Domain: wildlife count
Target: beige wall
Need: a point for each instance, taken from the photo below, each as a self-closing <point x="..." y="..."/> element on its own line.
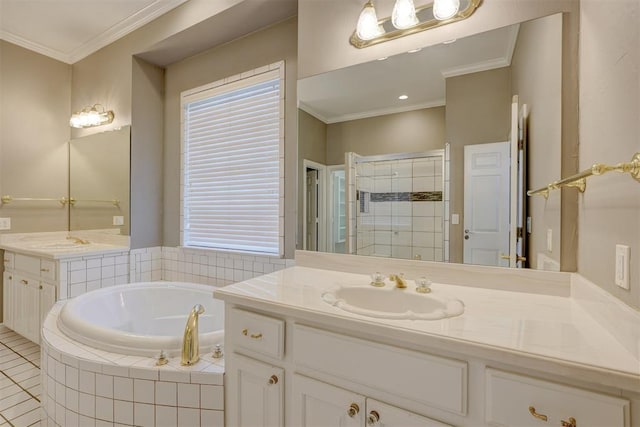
<point x="609" y="132"/>
<point x="478" y="112"/>
<point x="409" y="132"/>
<point x="256" y="50"/>
<point x="35" y="94"/>
<point x="147" y="137"/>
<point x="536" y="77"/>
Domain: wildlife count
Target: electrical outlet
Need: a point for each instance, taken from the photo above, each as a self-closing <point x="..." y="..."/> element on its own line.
<point x="5" y="223"/>
<point x="118" y="220"/>
<point x="622" y="266"/>
<point x="549" y="240"/>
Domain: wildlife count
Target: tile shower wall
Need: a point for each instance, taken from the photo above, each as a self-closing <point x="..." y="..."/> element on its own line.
<point x="400" y="208"/>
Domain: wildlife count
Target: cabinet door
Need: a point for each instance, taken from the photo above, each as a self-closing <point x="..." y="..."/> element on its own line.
<point x="47" y="300"/>
<point x="255" y="393"/>
<point x="319" y="404"/>
<point x="26" y="316"/>
<point x="8" y="299"/>
<point x="382" y="415"/>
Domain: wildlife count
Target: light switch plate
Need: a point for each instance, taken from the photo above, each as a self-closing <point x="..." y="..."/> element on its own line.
<point x="5" y="223"/>
<point x="622" y="266"/>
<point x="455" y="219"/>
<point x="118" y="220"/>
<point x="549" y="240"/>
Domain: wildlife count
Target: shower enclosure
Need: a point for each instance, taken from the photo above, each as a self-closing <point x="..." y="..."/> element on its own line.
<point x="397" y="205"/>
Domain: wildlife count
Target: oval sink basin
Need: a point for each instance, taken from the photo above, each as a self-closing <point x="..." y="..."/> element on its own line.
<point x="392" y="303"/>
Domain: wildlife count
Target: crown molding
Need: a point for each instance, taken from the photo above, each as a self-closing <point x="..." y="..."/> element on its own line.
<point x="124" y="27"/>
<point x="370" y="113"/>
<point x="490" y="64"/>
<point x="113" y="33"/>
<point x="35" y="47"/>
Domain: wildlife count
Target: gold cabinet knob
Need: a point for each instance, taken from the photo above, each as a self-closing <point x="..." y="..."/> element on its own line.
<point x="373" y="418"/>
<point x="570" y="423"/>
<point x="273" y="379"/>
<point x="353" y="410"/>
<point x="533" y="412"/>
<point x="24" y="282"/>
<point x="44" y="270"/>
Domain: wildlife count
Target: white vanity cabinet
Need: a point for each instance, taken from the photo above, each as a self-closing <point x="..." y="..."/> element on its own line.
<point x="256" y="397"/>
<point x="29" y="292"/>
<point x="317" y="404"/>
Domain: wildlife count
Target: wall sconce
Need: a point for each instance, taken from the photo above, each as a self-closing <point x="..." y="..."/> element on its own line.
<point x="407" y="19"/>
<point x="91" y="116"/>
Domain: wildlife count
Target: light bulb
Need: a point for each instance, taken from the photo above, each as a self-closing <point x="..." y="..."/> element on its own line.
<point x="368" y="27"/>
<point x="445" y="9"/>
<point x="404" y="14"/>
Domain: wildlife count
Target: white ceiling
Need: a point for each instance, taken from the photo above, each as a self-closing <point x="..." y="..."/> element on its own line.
<point x="69" y="30"/>
<point x="372" y="89"/>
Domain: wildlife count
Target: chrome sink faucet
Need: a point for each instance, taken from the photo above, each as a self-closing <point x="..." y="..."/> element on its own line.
<point x="401" y="283"/>
<point x="190" y="343"/>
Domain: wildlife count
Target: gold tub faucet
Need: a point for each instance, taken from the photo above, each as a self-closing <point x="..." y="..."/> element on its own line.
<point x="190" y="344"/>
<point x="401" y="283"/>
<point x="78" y="240"/>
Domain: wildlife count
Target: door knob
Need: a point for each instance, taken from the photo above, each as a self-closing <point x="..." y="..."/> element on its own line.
<point x="466" y="237"/>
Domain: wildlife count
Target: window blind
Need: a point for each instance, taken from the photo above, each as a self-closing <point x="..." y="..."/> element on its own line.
<point x="231" y="158"/>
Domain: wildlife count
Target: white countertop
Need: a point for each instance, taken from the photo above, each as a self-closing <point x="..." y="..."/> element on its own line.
<point x="541" y="328"/>
<point x="57" y="245"/>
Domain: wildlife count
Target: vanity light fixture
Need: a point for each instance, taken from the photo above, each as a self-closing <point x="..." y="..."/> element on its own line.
<point x="91" y="116"/>
<point x="408" y="19"/>
<point x="367" y="27"/>
<point x="404" y="14"/>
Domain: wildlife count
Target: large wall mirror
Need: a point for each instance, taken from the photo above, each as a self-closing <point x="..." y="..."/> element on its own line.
<point x="99" y="170"/>
<point x="427" y="155"/>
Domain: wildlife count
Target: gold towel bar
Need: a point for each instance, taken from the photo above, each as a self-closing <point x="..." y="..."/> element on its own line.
<point x="579" y="180"/>
<point x="114" y="202"/>
<point x="9" y="199"/>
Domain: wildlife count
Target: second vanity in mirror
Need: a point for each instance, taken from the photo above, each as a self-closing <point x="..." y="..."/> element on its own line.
<point x="427" y="155"/>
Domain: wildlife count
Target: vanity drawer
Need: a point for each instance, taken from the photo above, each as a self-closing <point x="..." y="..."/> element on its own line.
<point x="27" y="264"/>
<point x="8" y="260"/>
<point x="408" y="375"/>
<point x="256" y="333"/>
<point x="523" y="401"/>
<point x="48" y="269"/>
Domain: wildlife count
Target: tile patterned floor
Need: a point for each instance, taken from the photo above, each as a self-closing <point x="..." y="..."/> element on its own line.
<point x="19" y="380"/>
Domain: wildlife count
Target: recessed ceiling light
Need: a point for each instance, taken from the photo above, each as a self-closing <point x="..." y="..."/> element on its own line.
<point x="383" y="58"/>
<point x="414" y="50"/>
<point x="403" y="97"/>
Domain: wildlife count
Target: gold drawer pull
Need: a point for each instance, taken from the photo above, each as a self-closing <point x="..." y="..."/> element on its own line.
<point x="44" y="270"/>
<point x="533" y="412"/>
<point x="24" y="282"/>
<point x="273" y="379"/>
<point x="257" y="336"/>
<point x="40" y="287"/>
<point x="570" y="423"/>
<point x="353" y="410"/>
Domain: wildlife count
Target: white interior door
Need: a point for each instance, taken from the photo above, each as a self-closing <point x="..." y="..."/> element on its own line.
<point x="312" y="210"/>
<point x="314" y="207"/>
<point x="486" y="204"/>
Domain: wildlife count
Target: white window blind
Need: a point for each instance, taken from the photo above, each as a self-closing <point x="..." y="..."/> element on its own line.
<point x="231" y="181"/>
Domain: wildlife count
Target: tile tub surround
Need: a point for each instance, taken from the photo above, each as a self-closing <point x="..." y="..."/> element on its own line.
<point x="82" y="386"/>
<point x="547" y="332"/>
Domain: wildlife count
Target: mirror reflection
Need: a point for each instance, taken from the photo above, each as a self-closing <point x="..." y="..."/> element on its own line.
<point x="427" y="155"/>
<point x="99" y="181"/>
